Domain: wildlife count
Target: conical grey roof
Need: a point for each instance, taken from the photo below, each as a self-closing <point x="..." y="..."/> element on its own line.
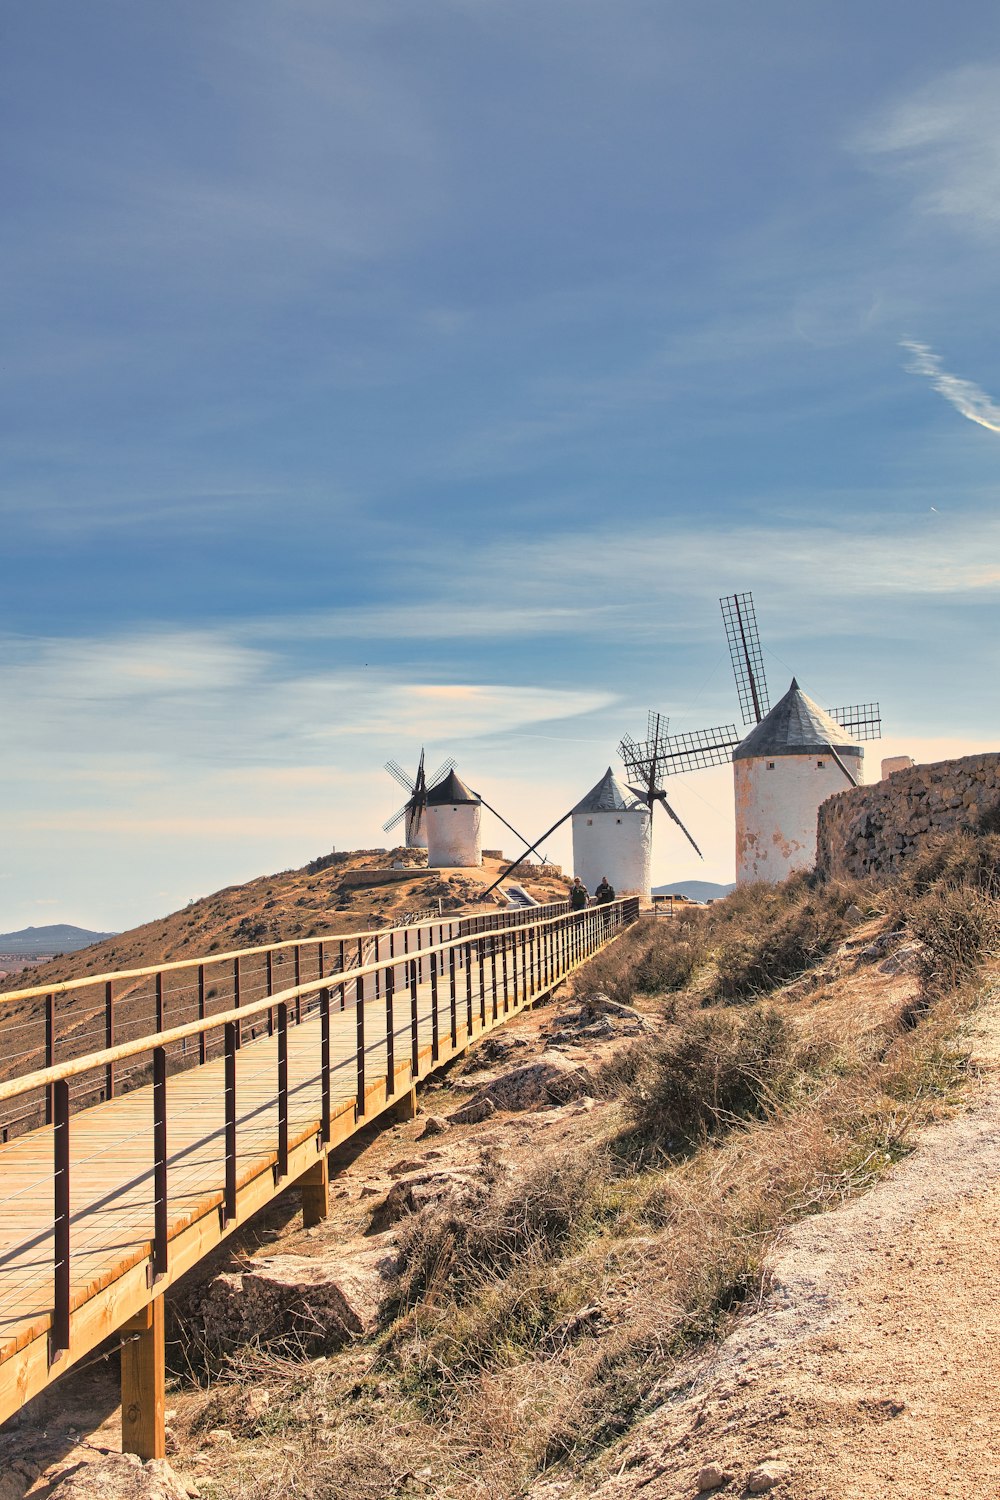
<point x="449" y="791"/>
<point x="795" y="726"/>
<point x="610" y="795"/>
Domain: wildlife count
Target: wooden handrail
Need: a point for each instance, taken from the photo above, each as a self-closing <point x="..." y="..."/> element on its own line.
<point x="73" y="1067"/>
<point x="62" y="987"/>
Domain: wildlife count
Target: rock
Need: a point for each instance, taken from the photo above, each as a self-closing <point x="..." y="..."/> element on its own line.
<point x="122" y="1476"/>
<point x="404" y="1167"/>
<point x="323" y="1301"/>
<point x="424" y="1190"/>
<point x="853" y="915"/>
<point x="433" y="1125"/>
<point x="550" y="1079"/>
<point x="765" y="1477"/>
<point x="603" y="1005"/>
<point x="477" y="1109"/>
<point x="905" y="960"/>
<point x="711" y="1476"/>
<point x="257" y="1403"/>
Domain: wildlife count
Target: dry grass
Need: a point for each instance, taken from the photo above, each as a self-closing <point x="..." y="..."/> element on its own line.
<point x="536" y="1329"/>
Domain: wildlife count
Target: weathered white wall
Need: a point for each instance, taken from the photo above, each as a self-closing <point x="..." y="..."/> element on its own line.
<point x="615" y="844"/>
<point x="454" y="835"/>
<point x="776" y="811"/>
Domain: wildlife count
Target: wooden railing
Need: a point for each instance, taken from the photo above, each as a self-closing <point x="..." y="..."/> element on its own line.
<point x="48" y="1024"/>
<point x="170" y="1171"/>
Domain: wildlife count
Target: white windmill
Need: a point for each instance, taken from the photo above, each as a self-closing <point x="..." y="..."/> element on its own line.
<point x="612" y="834"/>
<point x="796" y="756"/>
<point x="454" y="824"/>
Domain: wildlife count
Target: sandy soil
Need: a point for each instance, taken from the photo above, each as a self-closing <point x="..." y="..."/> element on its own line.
<point x="873" y="1367"/>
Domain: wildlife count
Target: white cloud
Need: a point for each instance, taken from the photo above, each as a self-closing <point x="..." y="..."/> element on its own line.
<point x="600" y="583"/>
<point x="969" y="399"/>
<point x="944" y="139"/>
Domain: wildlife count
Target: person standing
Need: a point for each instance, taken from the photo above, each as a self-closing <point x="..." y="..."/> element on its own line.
<point x="578" y="895"/>
<point x="605" y="892"/>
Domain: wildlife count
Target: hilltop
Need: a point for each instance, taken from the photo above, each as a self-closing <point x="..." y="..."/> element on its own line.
<point x="695" y="890"/>
<point x="58" y="937"/>
<point x="307" y="902"/>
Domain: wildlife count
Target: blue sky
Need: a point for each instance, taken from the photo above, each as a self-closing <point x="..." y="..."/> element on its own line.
<point x="378" y="375"/>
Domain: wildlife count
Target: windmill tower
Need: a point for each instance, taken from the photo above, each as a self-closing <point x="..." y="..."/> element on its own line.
<point x="612" y="836"/>
<point x="414" y="809"/>
<point x="454" y="824"/>
<point x="796" y="756"/>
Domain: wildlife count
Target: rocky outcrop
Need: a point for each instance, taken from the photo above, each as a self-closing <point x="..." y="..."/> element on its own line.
<point x="873" y="830"/>
<point x="316" y="1302"/>
<point x="550" y="1079"/>
<point x="417" y="1190"/>
<point x="122" y="1476"/>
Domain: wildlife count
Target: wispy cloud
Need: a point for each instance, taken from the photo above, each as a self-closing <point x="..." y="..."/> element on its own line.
<point x="944" y="138"/>
<point x="966" y="397"/>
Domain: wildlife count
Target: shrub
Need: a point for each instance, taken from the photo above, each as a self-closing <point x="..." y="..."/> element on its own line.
<point x="655" y="957"/>
<point x="532" y="1217"/>
<point x="959" y="927"/>
<point x="714" y="1071"/>
<point x="775" y="934"/>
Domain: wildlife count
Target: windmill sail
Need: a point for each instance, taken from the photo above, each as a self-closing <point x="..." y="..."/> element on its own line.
<point x="745" y="654"/>
<point x="415" y="807"/>
<point x="864" y="720"/>
<point x="670" y="754"/>
<point x="648" y="761"/>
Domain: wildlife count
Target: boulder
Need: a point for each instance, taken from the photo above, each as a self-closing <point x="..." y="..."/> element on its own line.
<point x="433" y="1125"/>
<point x="424" y="1190"/>
<point x="766" y="1476"/>
<point x="477" y="1109"/>
<point x="122" y="1476"/>
<point x="319" y="1301"/>
<point x="711" y="1477"/>
<point x="905" y="960"/>
<point x="550" y="1079"/>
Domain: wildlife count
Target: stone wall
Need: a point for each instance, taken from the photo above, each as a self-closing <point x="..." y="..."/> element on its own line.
<point x="872" y="830"/>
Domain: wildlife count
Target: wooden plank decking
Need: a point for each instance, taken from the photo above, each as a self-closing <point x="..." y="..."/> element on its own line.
<point x="111" y="1152"/>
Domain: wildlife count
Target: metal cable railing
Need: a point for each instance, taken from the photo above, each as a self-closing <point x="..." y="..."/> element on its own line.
<point x="70" y="1018"/>
<point x="395" y="1019"/>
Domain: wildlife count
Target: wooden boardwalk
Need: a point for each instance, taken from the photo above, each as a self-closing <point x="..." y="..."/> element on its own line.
<point x="290" y="1101"/>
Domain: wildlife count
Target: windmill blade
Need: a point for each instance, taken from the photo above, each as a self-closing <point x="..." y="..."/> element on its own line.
<point x="396" y="818"/>
<point x="663" y="798"/>
<point x="522" y="857"/>
<point x="398" y="774"/>
<point x="657" y="725"/>
<point x="441" y="771"/>
<point x="679" y="752"/>
<point x="861" y="719"/>
<point x="503" y="820"/>
<point x="745" y="654"/>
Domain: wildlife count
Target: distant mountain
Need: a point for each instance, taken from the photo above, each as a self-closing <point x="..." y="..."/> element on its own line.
<point x="695" y="890"/>
<point x="60" y="937"/>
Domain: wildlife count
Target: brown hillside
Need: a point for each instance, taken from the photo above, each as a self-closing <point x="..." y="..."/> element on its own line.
<point x="304" y="903"/>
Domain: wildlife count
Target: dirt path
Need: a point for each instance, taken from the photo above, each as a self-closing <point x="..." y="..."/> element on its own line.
<point x="873" y="1368"/>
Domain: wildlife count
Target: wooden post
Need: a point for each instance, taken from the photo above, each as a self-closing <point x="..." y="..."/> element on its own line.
<point x="143" y="1383"/>
<point x="405" y="1106"/>
<point x="315" y="1185"/>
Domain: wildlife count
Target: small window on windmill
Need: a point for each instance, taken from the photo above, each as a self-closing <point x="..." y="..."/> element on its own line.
<point x="590" y="822"/>
<point x="618" y="820"/>
<point x="770" y="765"/>
<point x="820" y="764"/>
